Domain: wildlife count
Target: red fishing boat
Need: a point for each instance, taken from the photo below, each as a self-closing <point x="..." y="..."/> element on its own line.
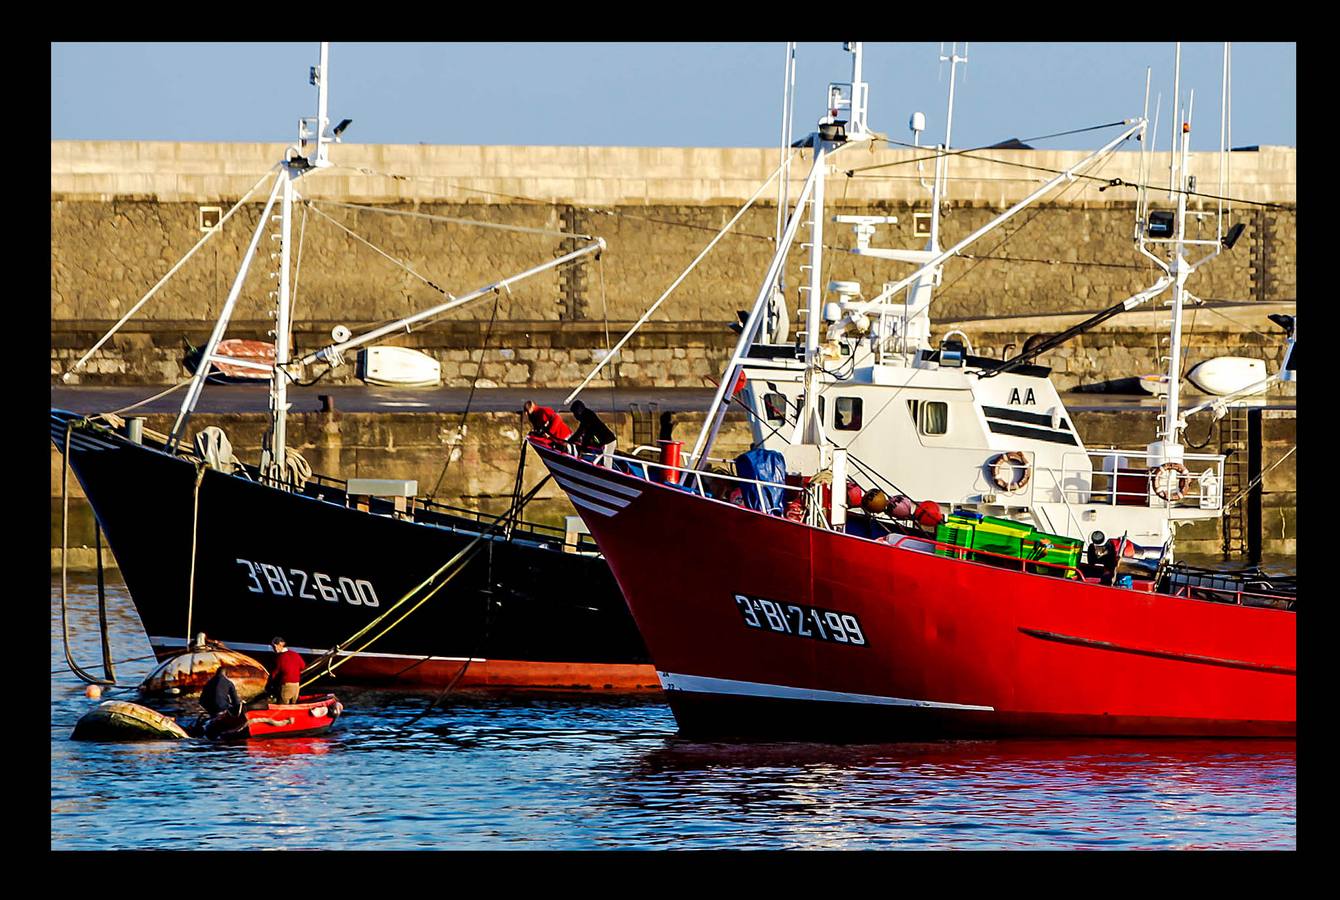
<point x="763" y="626"/>
<point x="792" y="597"/>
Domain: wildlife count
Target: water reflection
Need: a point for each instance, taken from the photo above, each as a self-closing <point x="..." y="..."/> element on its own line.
<point x="548" y="771"/>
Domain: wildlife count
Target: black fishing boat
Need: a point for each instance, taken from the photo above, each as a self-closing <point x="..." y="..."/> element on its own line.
<point x="522" y="610"/>
<point x="371" y="588"/>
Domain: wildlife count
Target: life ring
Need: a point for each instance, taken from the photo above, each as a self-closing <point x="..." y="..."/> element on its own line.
<point x="1005" y="461"/>
<point x="1160" y="485"/>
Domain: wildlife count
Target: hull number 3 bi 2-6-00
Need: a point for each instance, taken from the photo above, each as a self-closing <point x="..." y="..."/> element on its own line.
<point x="266" y="578"/>
<point x="799" y="620"/>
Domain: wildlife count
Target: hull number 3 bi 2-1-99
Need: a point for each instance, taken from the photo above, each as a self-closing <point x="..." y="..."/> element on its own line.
<point x="799" y="620"/>
<point x="266" y="578"/>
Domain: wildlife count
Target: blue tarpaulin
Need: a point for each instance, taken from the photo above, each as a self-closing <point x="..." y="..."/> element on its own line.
<point x="762" y="465"/>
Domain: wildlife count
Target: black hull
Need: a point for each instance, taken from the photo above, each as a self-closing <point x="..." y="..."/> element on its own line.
<point x="306" y="567"/>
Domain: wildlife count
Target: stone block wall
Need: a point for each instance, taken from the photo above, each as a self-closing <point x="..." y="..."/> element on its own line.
<point x="123" y="213"/>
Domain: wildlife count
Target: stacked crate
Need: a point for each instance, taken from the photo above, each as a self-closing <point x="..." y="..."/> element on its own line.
<point x="990" y="535"/>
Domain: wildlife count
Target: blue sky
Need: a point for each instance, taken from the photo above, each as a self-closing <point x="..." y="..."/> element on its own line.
<point x="648" y="94"/>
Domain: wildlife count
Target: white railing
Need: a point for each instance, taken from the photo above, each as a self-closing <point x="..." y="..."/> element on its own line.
<point x="1126" y="478"/>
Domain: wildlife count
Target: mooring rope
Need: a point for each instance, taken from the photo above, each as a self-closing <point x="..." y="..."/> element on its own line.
<point x="200" y="468"/>
<point x="64" y="569"/>
<point x="1258" y="479"/>
<point x="451" y="567"/>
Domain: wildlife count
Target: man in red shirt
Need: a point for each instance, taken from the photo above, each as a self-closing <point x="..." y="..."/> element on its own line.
<point x="545" y="422"/>
<point x="286" y="674"/>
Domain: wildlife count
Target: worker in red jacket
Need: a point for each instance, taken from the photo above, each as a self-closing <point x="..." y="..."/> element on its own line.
<point x="544" y="422"/>
<point x="286" y="674"/>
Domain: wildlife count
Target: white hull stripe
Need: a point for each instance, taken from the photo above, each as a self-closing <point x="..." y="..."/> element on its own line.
<point x="312" y="653"/>
<point x="589" y="492"/>
<point x="81" y="441"/>
<point x="594" y="507"/>
<point x="700" y="684"/>
<point x="570" y="472"/>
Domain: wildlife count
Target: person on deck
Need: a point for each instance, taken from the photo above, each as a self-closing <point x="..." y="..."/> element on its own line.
<point x="544" y="422"/>
<point x="219" y="695"/>
<point x="286" y="674"/>
<point x="592" y="435"/>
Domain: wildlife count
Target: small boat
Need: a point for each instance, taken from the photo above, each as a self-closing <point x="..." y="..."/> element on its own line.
<point x="119" y="720"/>
<point x="1225" y="375"/>
<point x="1154" y="384"/>
<point x="185" y="674"/>
<point x="398" y="367"/>
<point x="313" y="714"/>
<point x="258" y="355"/>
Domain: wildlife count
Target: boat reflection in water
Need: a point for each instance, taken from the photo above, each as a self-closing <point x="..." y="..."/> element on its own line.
<point x="1118" y="793"/>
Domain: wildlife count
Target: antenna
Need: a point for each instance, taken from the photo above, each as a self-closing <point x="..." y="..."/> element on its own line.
<point x="942" y="162"/>
<point x="1144" y="158"/>
<point x="788" y="88"/>
<point x="1176" y="117"/>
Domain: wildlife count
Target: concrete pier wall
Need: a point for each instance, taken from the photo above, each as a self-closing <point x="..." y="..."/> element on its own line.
<point x="124" y="212"/>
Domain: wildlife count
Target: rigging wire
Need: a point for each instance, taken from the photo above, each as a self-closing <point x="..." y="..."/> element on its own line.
<point x="605" y="310"/>
<point x="474" y="383"/>
<point x="595" y="210"/>
<point x="1031" y="216"/>
<point x="520" y="229"/>
<point x="1108" y="182"/>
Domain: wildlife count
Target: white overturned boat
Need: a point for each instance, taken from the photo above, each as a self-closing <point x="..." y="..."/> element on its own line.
<point x="398" y="367"/>
<point x="1225" y="375"/>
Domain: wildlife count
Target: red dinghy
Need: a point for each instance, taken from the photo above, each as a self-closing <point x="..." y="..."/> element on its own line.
<point x="313" y="714"/>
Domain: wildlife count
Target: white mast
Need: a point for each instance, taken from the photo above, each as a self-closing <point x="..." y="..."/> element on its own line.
<point x="942" y="161"/>
<point x="294" y="167"/>
<point x="1168" y="449"/>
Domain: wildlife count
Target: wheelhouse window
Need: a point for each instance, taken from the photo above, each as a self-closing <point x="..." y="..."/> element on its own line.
<point x="934" y="417"/>
<point x="847" y="414"/>
<point x="774" y="408"/>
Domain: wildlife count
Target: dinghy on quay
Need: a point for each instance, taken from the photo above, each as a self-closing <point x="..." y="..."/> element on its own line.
<point x="244" y="549"/>
<point x="802" y="609"/>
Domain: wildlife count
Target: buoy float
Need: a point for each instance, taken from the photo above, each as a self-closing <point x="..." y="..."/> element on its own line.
<point x="93" y="692"/>
<point x="117" y="720"/>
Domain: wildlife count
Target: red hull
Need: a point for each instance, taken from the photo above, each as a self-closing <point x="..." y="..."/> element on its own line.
<point x="947" y="647"/>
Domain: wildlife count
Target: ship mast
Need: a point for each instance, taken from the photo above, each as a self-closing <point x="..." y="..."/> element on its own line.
<point x="1161" y="229"/>
<point x="311" y="153"/>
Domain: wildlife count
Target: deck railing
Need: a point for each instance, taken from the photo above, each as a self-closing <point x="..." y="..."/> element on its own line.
<point x="1125" y="478"/>
<point x="971" y="554"/>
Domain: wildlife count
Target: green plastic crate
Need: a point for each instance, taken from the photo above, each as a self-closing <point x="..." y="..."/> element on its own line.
<point x="998" y="536"/>
<point x="1062" y="551"/>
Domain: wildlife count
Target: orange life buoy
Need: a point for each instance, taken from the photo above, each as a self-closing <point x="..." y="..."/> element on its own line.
<point x="1164" y="486"/>
<point x="1006" y="461"/>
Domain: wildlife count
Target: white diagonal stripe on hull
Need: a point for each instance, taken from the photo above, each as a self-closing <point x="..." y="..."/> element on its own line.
<point x="580" y="475"/>
<point x="80" y="442"/>
<point x="702" y="684"/>
<point x="594" y="507"/>
<point x="586" y="491"/>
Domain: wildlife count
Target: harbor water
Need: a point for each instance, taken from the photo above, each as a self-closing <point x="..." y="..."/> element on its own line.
<point x="572" y="772"/>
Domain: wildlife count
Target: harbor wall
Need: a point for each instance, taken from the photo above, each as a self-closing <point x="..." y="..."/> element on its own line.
<point x="484" y="462"/>
<point x="124" y="212"/>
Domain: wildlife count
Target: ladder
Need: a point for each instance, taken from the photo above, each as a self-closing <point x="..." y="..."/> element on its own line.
<point x="1233" y="443"/>
<point x="644" y="423"/>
